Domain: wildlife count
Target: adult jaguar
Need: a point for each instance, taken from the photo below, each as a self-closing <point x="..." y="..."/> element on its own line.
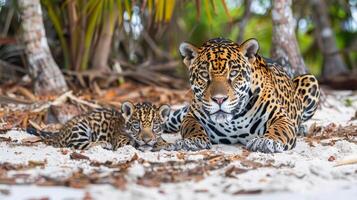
<point x="241" y="98"/>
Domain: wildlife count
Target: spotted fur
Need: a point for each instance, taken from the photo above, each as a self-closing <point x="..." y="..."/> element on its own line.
<point x="139" y="125"/>
<point x="239" y="97"/>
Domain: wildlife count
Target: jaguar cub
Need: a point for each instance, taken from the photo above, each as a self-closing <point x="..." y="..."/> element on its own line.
<point x="138" y="125"/>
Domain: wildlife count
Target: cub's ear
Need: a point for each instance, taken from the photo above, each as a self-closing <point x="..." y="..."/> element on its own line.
<point x="164" y="111"/>
<point x="189" y="53"/>
<point x="250" y="48"/>
<point x="127" y="109"/>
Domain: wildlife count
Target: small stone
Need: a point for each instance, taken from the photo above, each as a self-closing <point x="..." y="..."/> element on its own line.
<point x="331" y="158"/>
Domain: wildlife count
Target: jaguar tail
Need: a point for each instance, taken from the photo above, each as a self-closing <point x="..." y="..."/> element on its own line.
<point x="45" y="135"/>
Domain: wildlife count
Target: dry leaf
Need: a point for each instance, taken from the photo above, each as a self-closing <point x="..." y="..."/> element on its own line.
<point x="201" y="190"/>
<point x="87" y="196"/>
<point x="64" y="151"/>
<point x="5" y="139"/>
<point x="31" y="140"/>
<point x="181" y="155"/>
<point x="148" y="182"/>
<point x="232" y="170"/>
<point x="78" y="156"/>
<point x="37" y="163"/>
<point x="4" y="192"/>
<point x="251" y="164"/>
<point x="242" y="192"/>
<point x="120" y="182"/>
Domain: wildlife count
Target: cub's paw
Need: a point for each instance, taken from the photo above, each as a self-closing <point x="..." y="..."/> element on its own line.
<point x="107" y="146"/>
<point x="265" y="145"/>
<point x="192" y="144"/>
<point x="164" y="146"/>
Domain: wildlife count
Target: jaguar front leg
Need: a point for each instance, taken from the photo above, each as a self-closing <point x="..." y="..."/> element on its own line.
<point x="119" y="141"/>
<point x="194" y="137"/>
<point x="280" y="136"/>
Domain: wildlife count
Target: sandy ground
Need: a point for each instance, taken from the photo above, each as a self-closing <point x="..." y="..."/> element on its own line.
<point x="310" y="171"/>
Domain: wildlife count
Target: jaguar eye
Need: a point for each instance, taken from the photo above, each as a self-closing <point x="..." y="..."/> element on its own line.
<point x="233" y="73"/>
<point x="204" y="74"/>
<point x="156" y="126"/>
<point x="136" y="125"/>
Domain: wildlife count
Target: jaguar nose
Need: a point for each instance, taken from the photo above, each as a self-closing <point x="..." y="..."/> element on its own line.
<point x="147" y="136"/>
<point x="147" y="139"/>
<point x="219" y="99"/>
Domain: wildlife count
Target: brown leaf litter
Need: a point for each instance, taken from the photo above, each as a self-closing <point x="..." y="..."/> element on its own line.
<point x="328" y="135"/>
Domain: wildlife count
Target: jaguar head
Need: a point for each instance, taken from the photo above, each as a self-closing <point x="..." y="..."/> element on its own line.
<point x="144" y="122"/>
<point x="220" y="75"/>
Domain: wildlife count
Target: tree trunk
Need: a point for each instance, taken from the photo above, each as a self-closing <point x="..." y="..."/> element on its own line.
<point x="332" y="61"/>
<point x="101" y="53"/>
<point x="47" y="76"/>
<point x="244" y="20"/>
<point x="73" y="23"/>
<point x="284" y="43"/>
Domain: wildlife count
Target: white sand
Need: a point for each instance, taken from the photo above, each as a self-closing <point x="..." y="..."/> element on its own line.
<point x="302" y="173"/>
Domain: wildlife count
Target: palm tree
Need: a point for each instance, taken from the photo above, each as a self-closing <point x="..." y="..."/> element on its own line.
<point x="47" y="75"/>
<point x="333" y="63"/>
<point x="284" y="41"/>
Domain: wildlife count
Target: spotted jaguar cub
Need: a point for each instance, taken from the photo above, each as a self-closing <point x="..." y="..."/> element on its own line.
<point x="240" y="97"/>
<point x="138" y="125"/>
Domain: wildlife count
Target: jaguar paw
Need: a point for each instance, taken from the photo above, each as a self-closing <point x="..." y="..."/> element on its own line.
<point x="165" y="146"/>
<point x="192" y="144"/>
<point x="265" y="145"/>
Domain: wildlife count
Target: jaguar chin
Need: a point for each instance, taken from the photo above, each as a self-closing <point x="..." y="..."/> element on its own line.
<point x="221" y="116"/>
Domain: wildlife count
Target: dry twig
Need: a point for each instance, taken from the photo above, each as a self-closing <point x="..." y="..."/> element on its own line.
<point x="346" y="162"/>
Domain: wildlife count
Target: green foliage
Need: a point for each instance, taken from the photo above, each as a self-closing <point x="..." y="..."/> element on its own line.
<point x="84" y="20"/>
<point x="261" y="29"/>
<point x="348" y="102"/>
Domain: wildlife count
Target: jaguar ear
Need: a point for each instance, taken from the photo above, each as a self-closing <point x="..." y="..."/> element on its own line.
<point x="164" y="111"/>
<point x="250" y="48"/>
<point x="188" y="52"/>
<point x="127" y="109"/>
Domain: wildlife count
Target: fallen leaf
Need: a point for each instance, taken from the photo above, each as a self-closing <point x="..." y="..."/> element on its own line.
<point x="31" y="140"/>
<point x="37" y="163"/>
<point x="78" y="156"/>
<point x="251" y="164"/>
<point x="181" y="155"/>
<point x="148" y="182"/>
<point x="87" y="196"/>
<point x="78" y="180"/>
<point x="64" y="151"/>
<point x="120" y="182"/>
<point x="5" y="139"/>
<point x="232" y="170"/>
<point x="201" y="190"/>
<point x="23" y="176"/>
<point x="314" y="129"/>
<point x="4" y="192"/>
<point x="7" y="181"/>
<point x="242" y="192"/>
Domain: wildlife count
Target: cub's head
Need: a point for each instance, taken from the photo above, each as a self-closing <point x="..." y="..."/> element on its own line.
<point x="144" y="122"/>
<point x="220" y="75"/>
